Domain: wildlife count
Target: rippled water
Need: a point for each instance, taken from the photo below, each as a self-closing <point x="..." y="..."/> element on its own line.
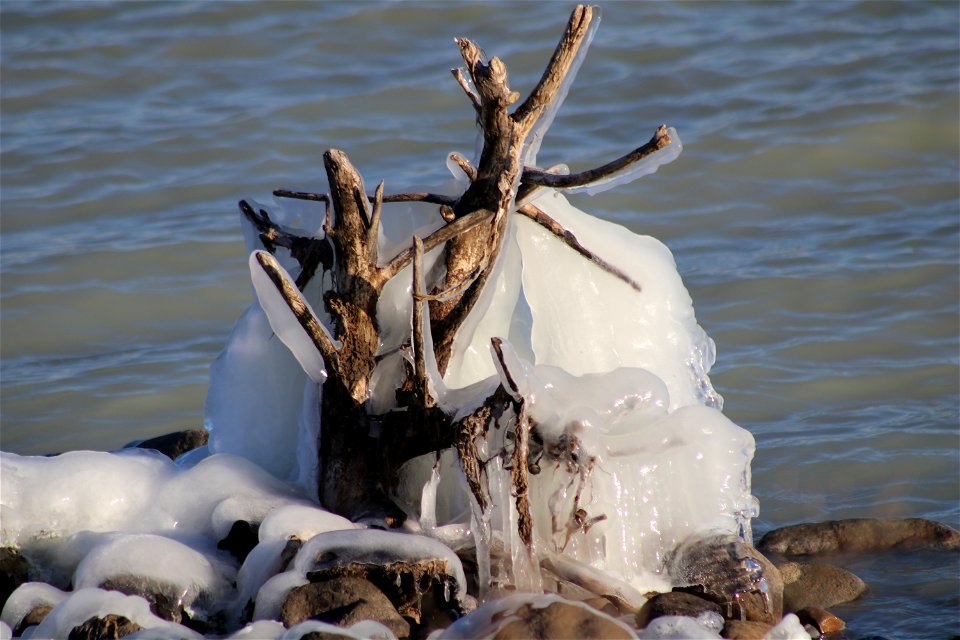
<point x="813" y="214"/>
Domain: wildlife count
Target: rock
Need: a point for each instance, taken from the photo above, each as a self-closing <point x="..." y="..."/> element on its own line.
<point x="164" y="599"/>
<point x="675" y="603"/>
<point x="173" y="445"/>
<point x="603" y="605"/>
<point x="732" y="573"/>
<point x="821" y="619"/>
<point x="34" y="617"/>
<point x="14" y="571"/>
<point x="818" y="585"/>
<point x="861" y="534"/>
<point x="404" y="583"/>
<point x="240" y="540"/>
<point x="404" y="567"/>
<point x="109" y="627"/>
<point x="560" y="620"/>
<point x="342" y="601"/>
<point x="745" y="630"/>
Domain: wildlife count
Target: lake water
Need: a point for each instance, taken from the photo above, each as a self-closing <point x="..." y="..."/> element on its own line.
<point x="813" y="214"/>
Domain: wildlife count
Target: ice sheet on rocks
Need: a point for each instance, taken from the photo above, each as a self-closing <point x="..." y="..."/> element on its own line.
<point x="264" y="560"/>
<point x="58" y="509"/>
<point x="368" y="546"/>
<point x="374" y="546"/>
<point x="198" y="582"/>
<point x="87" y="603"/>
<point x="28" y="596"/>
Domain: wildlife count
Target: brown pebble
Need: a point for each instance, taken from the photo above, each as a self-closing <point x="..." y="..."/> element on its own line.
<point x="174" y="445"/>
<point x="342" y="601"/>
<point x="821" y="619"/>
<point x="14" y="571"/>
<point x="560" y="620"/>
<point x="34" y="617"/>
<point x="818" y="585"/>
<point x="109" y="627"/>
<point x="674" y="603"/>
<point x="745" y="630"/>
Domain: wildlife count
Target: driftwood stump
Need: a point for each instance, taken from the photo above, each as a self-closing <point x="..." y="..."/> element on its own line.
<point x="359" y="453"/>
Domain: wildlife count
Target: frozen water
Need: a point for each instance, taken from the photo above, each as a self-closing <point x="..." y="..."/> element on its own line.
<point x="87" y="603"/>
<point x="677" y="628"/>
<point x="199" y="582"/>
<point x="28" y="596"/>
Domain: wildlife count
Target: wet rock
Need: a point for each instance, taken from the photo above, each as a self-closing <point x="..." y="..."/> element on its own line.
<point x="860" y="534"/>
<point x="164" y="599"/>
<point x="173" y="445"/>
<point x="675" y="603"/>
<point x="404" y="583"/>
<point x="821" y="620"/>
<point x="603" y="605"/>
<point x="14" y="571"/>
<point x="745" y="630"/>
<point x="818" y="585"/>
<point x="109" y="627"/>
<point x="342" y="601"/>
<point x="34" y="617"/>
<point x="560" y="620"/>
<point x="732" y="573"/>
<point x="240" y="540"/>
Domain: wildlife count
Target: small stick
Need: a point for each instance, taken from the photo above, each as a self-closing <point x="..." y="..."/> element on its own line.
<point x="416" y="196"/>
<point x="419" y="358"/>
<point x="465" y="165"/>
<point x="441" y="235"/>
<point x="373" y="233"/>
<point x="467" y="89"/>
<point x="564" y="235"/>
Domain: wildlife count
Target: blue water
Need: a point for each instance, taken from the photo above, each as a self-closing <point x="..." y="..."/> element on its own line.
<point x="813" y="214"/>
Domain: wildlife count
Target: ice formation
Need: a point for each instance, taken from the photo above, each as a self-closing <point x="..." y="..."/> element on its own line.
<point x="631" y="454"/>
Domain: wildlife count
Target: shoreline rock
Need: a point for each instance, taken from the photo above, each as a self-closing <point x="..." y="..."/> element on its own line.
<point x="858" y="535"/>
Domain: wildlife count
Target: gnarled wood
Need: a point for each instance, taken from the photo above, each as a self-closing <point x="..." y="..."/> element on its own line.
<point x="359" y="453"/>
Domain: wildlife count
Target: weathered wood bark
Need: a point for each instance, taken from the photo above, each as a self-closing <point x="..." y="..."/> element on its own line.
<point x="359" y="453"/>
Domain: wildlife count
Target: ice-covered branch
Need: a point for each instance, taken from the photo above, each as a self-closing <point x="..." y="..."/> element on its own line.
<point x="630" y="166"/>
<point x="263" y="262"/>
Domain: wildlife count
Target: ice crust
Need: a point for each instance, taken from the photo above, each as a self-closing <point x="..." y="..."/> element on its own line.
<point x="87" y="603"/>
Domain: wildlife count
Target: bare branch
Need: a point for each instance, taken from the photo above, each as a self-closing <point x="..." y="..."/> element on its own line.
<point x="441" y="235"/>
<point x="419" y="358"/>
<point x="464" y="165"/>
<point x="416" y="196"/>
<point x="559" y="66"/>
<point x="373" y="233"/>
<point x="540" y="178"/>
<point x="519" y="478"/>
<point x="568" y="238"/>
<point x="467" y="89"/>
<point x="301" y="195"/>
